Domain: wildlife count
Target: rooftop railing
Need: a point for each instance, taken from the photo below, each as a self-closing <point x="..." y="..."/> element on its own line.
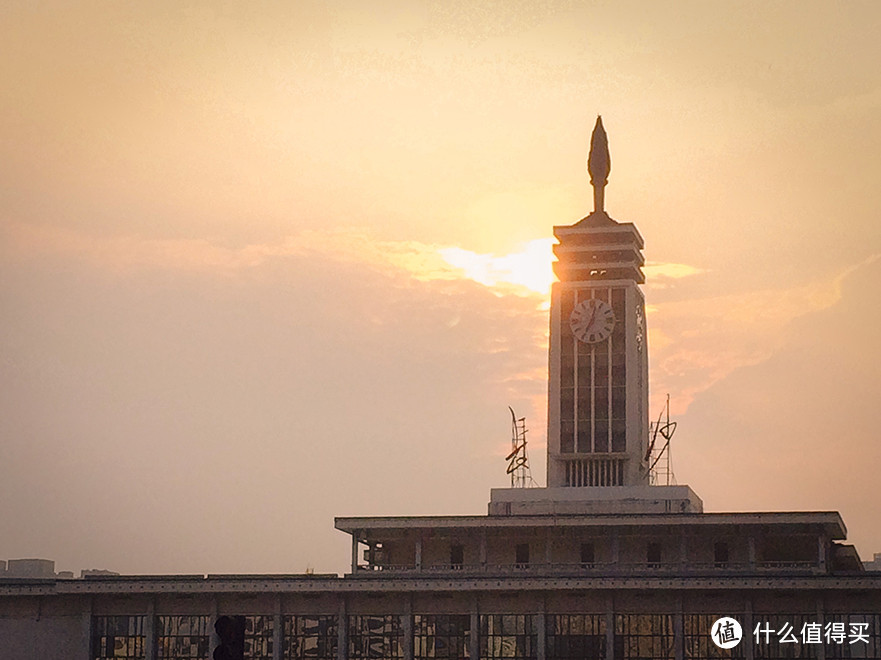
<point x="599" y="568"/>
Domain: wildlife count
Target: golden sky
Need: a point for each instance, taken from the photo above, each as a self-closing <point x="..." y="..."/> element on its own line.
<point x="264" y="264"/>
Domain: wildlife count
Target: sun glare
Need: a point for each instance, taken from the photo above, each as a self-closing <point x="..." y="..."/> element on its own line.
<point x="529" y="268"/>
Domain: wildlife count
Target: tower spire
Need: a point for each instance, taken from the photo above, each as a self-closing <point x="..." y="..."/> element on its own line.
<point x="599" y="164"/>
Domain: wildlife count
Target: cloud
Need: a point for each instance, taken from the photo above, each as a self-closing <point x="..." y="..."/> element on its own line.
<point x="696" y="342"/>
<point x="657" y="273"/>
<point x="186" y="379"/>
<point x="798" y="429"/>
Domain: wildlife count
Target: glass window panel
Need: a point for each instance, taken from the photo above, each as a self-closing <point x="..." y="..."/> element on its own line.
<point x="441" y="636"/>
<point x="644" y="637"/>
<point x="183" y="637"/>
<point x="507" y="636"/>
<point x="375" y="637"/>
<point x="576" y="636"/>
<point x="699" y="645"/>
<point x="118" y="637"/>
<point x="776" y="650"/>
<point x="310" y="636"/>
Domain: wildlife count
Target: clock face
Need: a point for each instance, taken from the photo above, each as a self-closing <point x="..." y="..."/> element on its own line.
<point x="592" y="320"/>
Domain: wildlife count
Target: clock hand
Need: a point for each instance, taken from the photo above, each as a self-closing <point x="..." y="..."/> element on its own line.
<point x="593" y="314"/>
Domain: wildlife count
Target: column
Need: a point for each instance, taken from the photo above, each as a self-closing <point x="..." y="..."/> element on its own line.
<point x="342" y="630"/>
<point x="752" y="551"/>
<point x="615" y="549"/>
<point x="86" y="631"/>
<point x="821" y="619"/>
<point x="683" y="551"/>
<point x="610" y="628"/>
<point x="748" y="626"/>
<point x="541" y="635"/>
<point x="678" y="631"/>
<point x="821" y="553"/>
<point x="419" y="552"/>
<point x="354" y="552"/>
<point x="407" y="627"/>
<point x="213" y="613"/>
<point x="150" y="631"/>
<point x="474" y="636"/>
<point x="482" y="549"/>
<point x="278" y="631"/>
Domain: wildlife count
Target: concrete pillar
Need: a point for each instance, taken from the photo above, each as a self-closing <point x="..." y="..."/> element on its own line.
<point x="821" y="553"/>
<point x="150" y="631"/>
<point x="213" y="639"/>
<point x="821" y="619"/>
<point x="419" y="552"/>
<point x="748" y="626"/>
<point x="752" y="551"/>
<point x="678" y="631"/>
<point x="407" y="627"/>
<point x="549" y="547"/>
<point x="342" y="631"/>
<point x="482" y="549"/>
<point x="354" y="552"/>
<point x="85" y="652"/>
<point x="683" y="551"/>
<point x="615" y="549"/>
<point x="474" y="633"/>
<point x="277" y="631"/>
<point x="541" y="635"/>
<point x="610" y="629"/>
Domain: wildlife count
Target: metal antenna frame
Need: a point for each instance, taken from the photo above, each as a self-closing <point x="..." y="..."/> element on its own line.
<point x="665" y="429"/>
<point x="518" y="460"/>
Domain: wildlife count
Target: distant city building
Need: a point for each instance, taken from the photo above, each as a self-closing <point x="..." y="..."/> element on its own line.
<point x="30" y="568"/>
<point x="96" y="572"/>
<point x="604" y="563"/>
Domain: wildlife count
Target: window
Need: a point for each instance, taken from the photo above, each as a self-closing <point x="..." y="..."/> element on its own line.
<point x="259" y="631"/>
<point x="118" y="637"/>
<point x="508" y="636"/>
<point x="310" y="637"/>
<point x="521" y="555"/>
<point x="576" y="636"/>
<point x="183" y="637"/>
<point x="867" y="624"/>
<point x="775" y="649"/>
<point x="457" y="556"/>
<point x="720" y="554"/>
<point x="587" y="555"/>
<point x="698" y="643"/>
<point x="376" y="637"/>
<point x="644" y="637"/>
<point x="653" y="555"/>
<point x="441" y="636"/>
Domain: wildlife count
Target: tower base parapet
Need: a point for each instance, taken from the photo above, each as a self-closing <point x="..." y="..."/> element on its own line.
<point x="594" y="500"/>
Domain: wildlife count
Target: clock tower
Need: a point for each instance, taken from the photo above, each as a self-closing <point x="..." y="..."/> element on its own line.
<point x="598" y="417"/>
<point x="598" y="365"/>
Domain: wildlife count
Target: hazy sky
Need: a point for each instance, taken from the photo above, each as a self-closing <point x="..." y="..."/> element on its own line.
<point x="266" y="263"/>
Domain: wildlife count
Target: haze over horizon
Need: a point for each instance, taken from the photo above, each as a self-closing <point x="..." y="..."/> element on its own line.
<point x="265" y="265"/>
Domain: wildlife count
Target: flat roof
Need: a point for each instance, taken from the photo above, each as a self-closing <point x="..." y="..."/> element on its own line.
<point x="830" y="521"/>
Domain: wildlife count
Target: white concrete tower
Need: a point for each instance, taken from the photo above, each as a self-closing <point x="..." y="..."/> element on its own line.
<point x="598" y="366"/>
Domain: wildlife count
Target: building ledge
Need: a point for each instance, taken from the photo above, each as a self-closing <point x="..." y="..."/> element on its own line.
<point x="594" y="500"/>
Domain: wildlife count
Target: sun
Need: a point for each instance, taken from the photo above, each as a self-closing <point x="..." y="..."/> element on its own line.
<point x="528" y="268"/>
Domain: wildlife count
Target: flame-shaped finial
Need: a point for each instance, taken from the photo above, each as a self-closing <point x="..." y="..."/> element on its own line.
<point x="599" y="164"/>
